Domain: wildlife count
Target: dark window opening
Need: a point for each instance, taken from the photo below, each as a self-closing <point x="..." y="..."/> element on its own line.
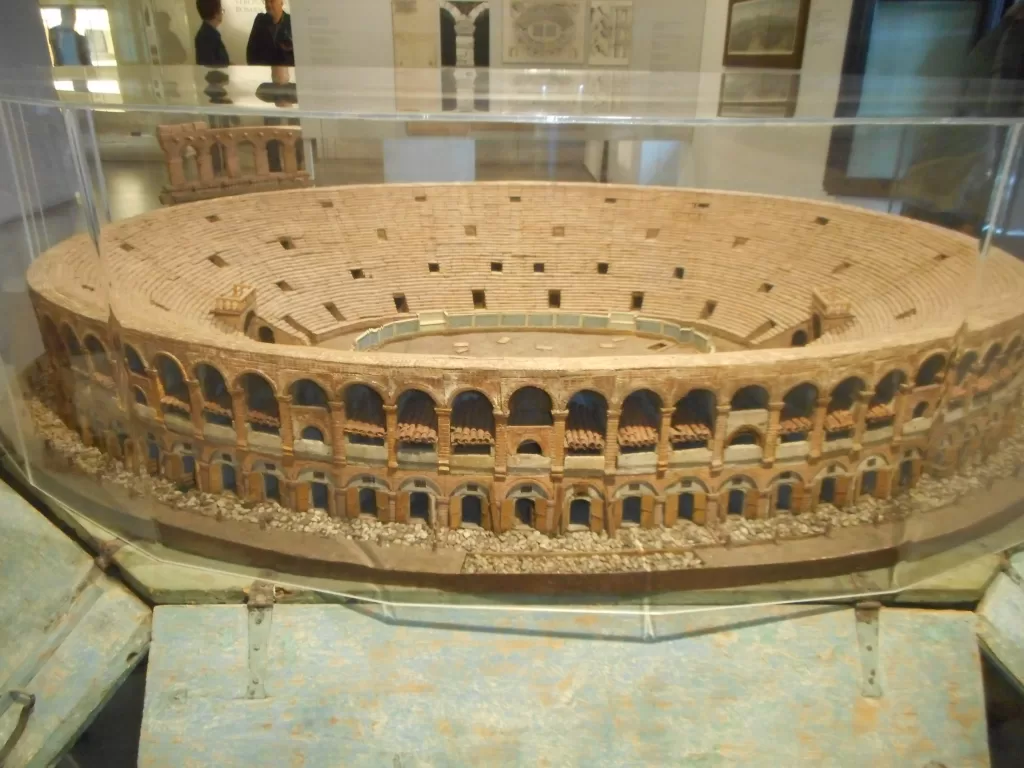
<point x="686" y="506"/>
<point x="213" y="218"/>
<point x="266" y="335"/>
<point x="357" y="274"/>
<point x="738" y="241"/>
<point x="479" y="300"/>
<point x="558" y="231"/>
<point x="271" y="487"/>
<point x="737" y="501"/>
<point x="827" y="494"/>
<point x="472" y="511"/>
<point x="419" y="506"/>
<point x="821" y="220"/>
<point x="529" y="448"/>
<point x="515" y="199"/>
<point x="326" y="204"/>
<point x="524" y="510"/>
<point x="799" y="339"/>
<point x="497" y="266"/>
<point x="652" y="234"/>
<point x="784" y="500"/>
<point x="400" y="303"/>
<point x="332" y="308"/>
<point x="312" y="433"/>
<point x="228" y="479"/>
<point x="602" y="268"/>
<point x="766" y="287"/>
<point x="702" y="205"/>
<point x="420" y="198"/>
<point x="868" y="482"/>
<point x="433" y="266"/>
<point x="637" y="301"/>
<point x="678" y="273"/>
<point x="632" y="509"/>
<point x="283" y="285"/>
<point x="921" y="409"/>
<point x="367" y="501"/>
<point x="470" y="230"/>
<point x="906" y="474"/>
<point x="538" y="266"/>
<point x="382" y="234"/>
<point x="319" y="495"/>
<point x="579" y="512"/>
<point x="217" y="261"/>
<point x="475" y="449"/>
<point x="709" y="309"/>
<point x="287" y="243"/>
<point x="554" y="299"/>
<point x="611" y="200"/>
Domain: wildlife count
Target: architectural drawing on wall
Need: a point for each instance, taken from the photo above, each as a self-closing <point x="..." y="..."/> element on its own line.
<point x="544" y="32"/>
<point x="766" y="33"/>
<point x="611" y="32"/>
<point x="465" y="33"/>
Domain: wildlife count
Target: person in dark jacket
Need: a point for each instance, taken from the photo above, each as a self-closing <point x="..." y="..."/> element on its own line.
<point x="210" y="50"/>
<point x="69" y="47"/>
<point x="270" y="41"/>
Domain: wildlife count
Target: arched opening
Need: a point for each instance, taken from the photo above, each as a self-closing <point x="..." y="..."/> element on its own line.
<point x="687" y="505"/>
<point x="188" y="469"/>
<point x="529" y="448"/>
<point x="784" y="498"/>
<point x="920" y="410"/>
<point x="868" y="482"/>
<point x="72" y="347"/>
<point x="989" y="364"/>
<point x="693" y="421"/>
<point x="265" y="334"/>
<point x="419" y="505"/>
<point x="797" y="413"/>
<point x="816" y="325"/>
<point x="839" y="420"/>
<point x="417" y="421"/>
<point x="745" y="437"/>
<point x="881" y="410"/>
<point x="751" y="398"/>
<point x="261" y="403"/>
<point x="586" y="424"/>
<point x="472" y="510"/>
<point x="482" y="40"/>
<point x="364" y="416"/>
<point x="799" y="339"/>
<point x="448" y="55"/>
<point x="217" y="406"/>
<point x="906" y="474"/>
<point x="98" y="356"/>
<point x="313" y="433"/>
<point x="929" y="371"/>
<point x="320" y="495"/>
<point x="247" y="323"/>
<point x="827" y="491"/>
<point x="228" y="478"/>
<point x="306" y="393"/>
<point x="140" y="396"/>
<point x="275" y="156"/>
<point x="967" y="362"/>
<point x="579" y="513"/>
<point x="524" y="511"/>
<point x="368" y="502"/>
<point x="218" y="158"/>
<point x="472" y="424"/>
<point x="172" y="381"/>
<point x="133" y="360"/>
<point x="271" y="487"/>
<point x="632" y="510"/>
<point x="737" y="501"/>
<point x="530" y="407"/>
<point x="640" y="422"/>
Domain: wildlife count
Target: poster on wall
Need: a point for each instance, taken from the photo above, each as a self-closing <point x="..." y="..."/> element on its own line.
<point x="544" y="32"/>
<point x="766" y="33"/>
<point x="611" y="33"/>
<point x="759" y="94"/>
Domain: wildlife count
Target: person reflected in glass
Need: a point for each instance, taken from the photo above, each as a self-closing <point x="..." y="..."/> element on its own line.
<point x="70" y="49"/>
<point x="210" y="50"/>
<point x="270" y="41"/>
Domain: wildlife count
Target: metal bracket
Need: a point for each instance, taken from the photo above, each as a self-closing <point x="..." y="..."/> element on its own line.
<point x="27" y="702"/>
<point x="261" y="613"/>
<point x="866" y="615"/>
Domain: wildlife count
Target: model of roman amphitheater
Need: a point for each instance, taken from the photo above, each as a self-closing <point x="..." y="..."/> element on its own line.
<point x="561" y="357"/>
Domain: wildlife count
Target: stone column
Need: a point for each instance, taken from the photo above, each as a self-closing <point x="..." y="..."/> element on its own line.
<point x="771" y="437"/>
<point x="289" y="161"/>
<point x="284" y="413"/>
<point x="262" y="159"/>
<point x="239" y="414"/>
<point x="860" y="417"/>
<point x="900" y="410"/>
<point x="659" y="511"/>
<point x="337" y="411"/>
<point x="663" y="441"/>
<point x="500" y="444"/>
<point x="204" y="162"/>
<point x="155" y="393"/>
<point x="763" y="506"/>
<point x="818" y="427"/>
<point x="557" y="447"/>
<point x="195" y="402"/>
<point x="611" y="440"/>
<point x="441" y="512"/>
<point x="718" y="441"/>
<point x="444" y="440"/>
<point x="203" y="476"/>
<point x="559" y="518"/>
<point x="711" y="511"/>
<point x="391" y="437"/>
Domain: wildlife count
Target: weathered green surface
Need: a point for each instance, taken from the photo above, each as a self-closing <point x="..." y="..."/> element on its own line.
<point x="1001" y="619"/>
<point x="772" y="687"/>
<point x="68" y="633"/>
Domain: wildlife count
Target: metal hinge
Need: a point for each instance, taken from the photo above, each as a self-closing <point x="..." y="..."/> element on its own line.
<point x="866" y="615"/>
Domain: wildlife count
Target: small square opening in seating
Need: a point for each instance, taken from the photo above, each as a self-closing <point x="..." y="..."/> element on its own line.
<point x="217" y="261"/>
<point x="558" y="231"/>
<point x="400" y="303"/>
<point x="709" y="309"/>
<point x="538" y="266"/>
<point x="637" y="301"/>
<point x="433" y="266"/>
<point x="421" y="198"/>
<point x="382" y="234"/>
<point x="702" y="205"/>
<point x="652" y="234"/>
<point x="284" y="286"/>
<point x="326" y="203"/>
<point x="766" y="287"/>
<point x="602" y="268"/>
<point x="470" y="230"/>
<point x="678" y="273"/>
<point x="213" y="218"/>
<point x="497" y="266"/>
<point x="287" y="243"/>
<point x="515" y="199"/>
<point x="611" y="200"/>
<point x="821" y="221"/>
<point x="554" y="299"/>
<point x="479" y="300"/>
<point x="332" y="308"/>
<point x="357" y="274"/>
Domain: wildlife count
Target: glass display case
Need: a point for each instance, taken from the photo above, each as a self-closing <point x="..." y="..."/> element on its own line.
<point x="547" y="337"/>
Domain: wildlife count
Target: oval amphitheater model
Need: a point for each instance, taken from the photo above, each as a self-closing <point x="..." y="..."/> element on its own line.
<point x="560" y="356"/>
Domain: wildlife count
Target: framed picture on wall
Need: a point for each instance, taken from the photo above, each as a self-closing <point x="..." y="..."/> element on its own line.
<point x="766" y="33"/>
<point x="759" y="94"/>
